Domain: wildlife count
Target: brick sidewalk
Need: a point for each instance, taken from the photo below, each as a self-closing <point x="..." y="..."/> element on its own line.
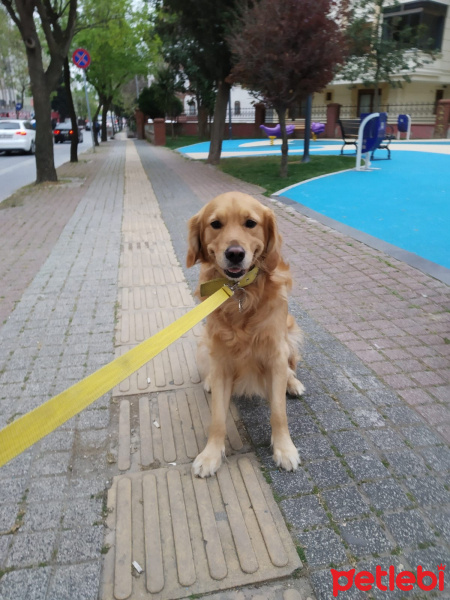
<point x="374" y="483"/>
<point x="373" y="487"/>
<point x="62" y="328"/>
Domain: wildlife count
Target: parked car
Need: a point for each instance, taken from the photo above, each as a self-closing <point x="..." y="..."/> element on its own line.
<point x="63" y="132"/>
<point x="17" y="135"/>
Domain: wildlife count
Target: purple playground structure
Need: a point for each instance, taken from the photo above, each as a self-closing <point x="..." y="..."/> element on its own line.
<point x="316" y="128"/>
<point x="276" y="131"/>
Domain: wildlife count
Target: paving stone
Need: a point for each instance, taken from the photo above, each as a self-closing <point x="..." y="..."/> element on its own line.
<point x="4" y="544"/>
<point x="304" y="512"/>
<point x="322" y="547"/>
<point x="323" y="586"/>
<point x="289" y="483"/>
<point x="329" y="473"/>
<point x="366" y="466"/>
<point x="386" y="494"/>
<point x="386" y="439"/>
<point x="348" y="442"/>
<point x="25" y="583"/>
<point x="438" y="458"/>
<point x="314" y="446"/>
<point x="80" y="544"/>
<point x="365" y="537"/>
<point x="429" y="558"/>
<point x="368" y="418"/>
<point x="402" y="415"/>
<point x="420" y="436"/>
<point x="8" y="514"/>
<point x="408" y="528"/>
<point x="75" y="581"/>
<point x="52" y="463"/>
<point x="83" y="512"/>
<point x="31" y="549"/>
<point x="345" y="503"/>
<point x="441" y="519"/>
<point x="428" y="491"/>
<point x="41" y="516"/>
<point x="11" y="490"/>
<point x="334" y="420"/>
<point x="406" y="462"/>
<point x="355" y="401"/>
<point x="398" y="562"/>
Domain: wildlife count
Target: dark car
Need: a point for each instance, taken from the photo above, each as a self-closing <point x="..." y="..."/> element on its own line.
<point x="63" y="132"/>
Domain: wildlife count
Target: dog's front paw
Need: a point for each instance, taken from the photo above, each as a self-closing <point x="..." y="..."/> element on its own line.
<point x="286" y="456"/>
<point x="208" y="462"/>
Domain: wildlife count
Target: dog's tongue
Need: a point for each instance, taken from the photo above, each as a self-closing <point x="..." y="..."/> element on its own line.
<point x="234" y="270"/>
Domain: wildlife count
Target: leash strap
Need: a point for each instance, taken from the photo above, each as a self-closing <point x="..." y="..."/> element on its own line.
<point x="33" y="426"/>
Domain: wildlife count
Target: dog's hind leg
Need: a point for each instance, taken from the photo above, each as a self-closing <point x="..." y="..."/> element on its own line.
<point x="294" y="339"/>
<point x="285" y="454"/>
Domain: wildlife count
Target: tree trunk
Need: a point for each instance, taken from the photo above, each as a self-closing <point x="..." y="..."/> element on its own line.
<point x="45" y="165"/>
<point x="281" y="112"/>
<point x="106" y="104"/>
<point x="202" y="122"/>
<point x="220" y="112"/>
<point x="72" y="113"/>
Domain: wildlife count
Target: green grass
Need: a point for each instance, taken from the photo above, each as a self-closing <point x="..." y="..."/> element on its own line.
<point x="265" y="170"/>
<point x="179" y="142"/>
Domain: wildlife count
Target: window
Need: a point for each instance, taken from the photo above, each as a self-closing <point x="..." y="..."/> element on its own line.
<point x="237" y="108"/>
<point x="418" y="24"/>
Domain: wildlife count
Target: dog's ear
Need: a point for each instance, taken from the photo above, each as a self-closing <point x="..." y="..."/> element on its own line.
<point x="194" y="243"/>
<point x="272" y="255"/>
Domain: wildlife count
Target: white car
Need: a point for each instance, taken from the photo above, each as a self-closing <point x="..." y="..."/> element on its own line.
<point x="16" y="134"/>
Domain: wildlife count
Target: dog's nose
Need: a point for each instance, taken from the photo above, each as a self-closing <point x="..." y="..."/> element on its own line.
<point x="235" y="254"/>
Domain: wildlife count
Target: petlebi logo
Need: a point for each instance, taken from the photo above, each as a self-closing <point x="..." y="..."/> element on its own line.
<point x="388" y="580"/>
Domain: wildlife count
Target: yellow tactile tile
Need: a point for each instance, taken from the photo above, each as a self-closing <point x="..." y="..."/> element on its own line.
<point x="192" y="536"/>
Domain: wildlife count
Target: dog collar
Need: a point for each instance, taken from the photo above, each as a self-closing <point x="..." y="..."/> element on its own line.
<point x="209" y="287"/>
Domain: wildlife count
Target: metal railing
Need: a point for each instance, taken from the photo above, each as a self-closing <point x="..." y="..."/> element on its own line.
<point x="420" y="111"/>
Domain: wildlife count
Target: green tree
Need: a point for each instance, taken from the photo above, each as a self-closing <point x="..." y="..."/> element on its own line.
<point x="120" y="49"/>
<point x="203" y="26"/>
<point x="13" y="60"/>
<point x="285" y="51"/>
<point x="46" y="27"/>
<point x="379" y="54"/>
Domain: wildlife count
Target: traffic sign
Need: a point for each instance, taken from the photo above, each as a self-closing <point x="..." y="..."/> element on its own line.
<point x="81" y="58"/>
<point x="19" y="106"/>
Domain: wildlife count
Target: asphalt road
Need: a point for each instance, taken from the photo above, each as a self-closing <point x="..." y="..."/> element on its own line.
<point x="17" y="170"/>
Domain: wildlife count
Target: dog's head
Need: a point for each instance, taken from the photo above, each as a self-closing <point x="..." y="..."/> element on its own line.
<point x="234" y="232"/>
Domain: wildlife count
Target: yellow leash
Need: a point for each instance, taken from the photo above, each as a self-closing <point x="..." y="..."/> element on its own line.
<point x="33" y="426"/>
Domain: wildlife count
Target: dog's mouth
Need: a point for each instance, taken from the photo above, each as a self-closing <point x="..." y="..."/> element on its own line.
<point x="235" y="272"/>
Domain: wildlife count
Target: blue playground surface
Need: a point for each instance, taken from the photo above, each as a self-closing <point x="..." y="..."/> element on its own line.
<point x="404" y="201"/>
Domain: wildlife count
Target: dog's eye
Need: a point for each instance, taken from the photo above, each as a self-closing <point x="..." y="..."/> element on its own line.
<point x="250" y="223"/>
<point x="216" y="224"/>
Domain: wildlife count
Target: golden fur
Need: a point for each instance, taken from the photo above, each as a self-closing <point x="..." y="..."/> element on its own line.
<point x="253" y="350"/>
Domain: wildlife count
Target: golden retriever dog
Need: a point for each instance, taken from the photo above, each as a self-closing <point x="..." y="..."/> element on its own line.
<point x="250" y="343"/>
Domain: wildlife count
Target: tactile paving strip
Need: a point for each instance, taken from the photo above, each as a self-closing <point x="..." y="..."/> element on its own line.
<point x="191" y="535"/>
<point x="170" y="427"/>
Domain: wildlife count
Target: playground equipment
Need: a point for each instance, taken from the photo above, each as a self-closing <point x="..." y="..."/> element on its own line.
<point x="317" y="128"/>
<point x="271" y="138"/>
<point x="404" y="126"/>
<point x="276" y="131"/>
<point x="371" y="133"/>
